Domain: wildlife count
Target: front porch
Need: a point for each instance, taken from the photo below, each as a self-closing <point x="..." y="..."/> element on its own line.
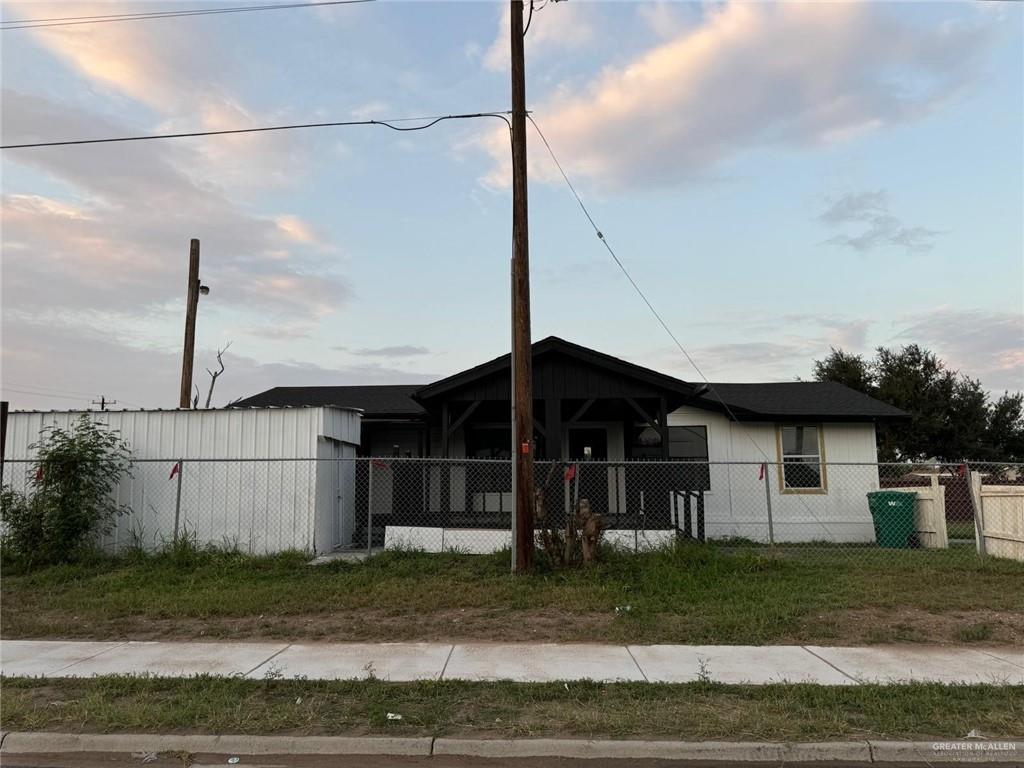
<point x="590" y="410"/>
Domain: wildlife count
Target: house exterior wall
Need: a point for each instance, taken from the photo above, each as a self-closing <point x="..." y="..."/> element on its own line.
<point x="736" y="505"/>
<point x="259" y="506"/>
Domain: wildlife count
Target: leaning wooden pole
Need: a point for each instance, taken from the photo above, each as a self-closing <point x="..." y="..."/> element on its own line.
<point x="522" y="354"/>
<point x="191" y="307"/>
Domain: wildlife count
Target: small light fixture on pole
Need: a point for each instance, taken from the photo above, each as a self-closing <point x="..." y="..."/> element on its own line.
<point x="195" y="288"/>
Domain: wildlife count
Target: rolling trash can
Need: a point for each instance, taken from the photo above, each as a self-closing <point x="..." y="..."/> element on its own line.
<point x="893" y="515"/>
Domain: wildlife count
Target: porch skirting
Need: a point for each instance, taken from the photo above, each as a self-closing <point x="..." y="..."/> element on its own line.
<point x="482" y="541"/>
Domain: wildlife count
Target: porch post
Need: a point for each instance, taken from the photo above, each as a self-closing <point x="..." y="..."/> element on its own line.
<point x="444" y="470"/>
<point x="553" y="428"/>
<point x="663" y="426"/>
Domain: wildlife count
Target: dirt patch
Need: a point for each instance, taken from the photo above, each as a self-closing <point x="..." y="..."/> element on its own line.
<point x="344" y="626"/>
<point x="868" y="626"/>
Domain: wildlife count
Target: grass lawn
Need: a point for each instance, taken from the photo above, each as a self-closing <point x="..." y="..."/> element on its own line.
<point x="960" y="529"/>
<point x="697" y="711"/>
<point x="692" y="594"/>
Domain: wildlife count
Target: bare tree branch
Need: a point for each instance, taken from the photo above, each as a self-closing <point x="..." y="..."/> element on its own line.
<point x="215" y="374"/>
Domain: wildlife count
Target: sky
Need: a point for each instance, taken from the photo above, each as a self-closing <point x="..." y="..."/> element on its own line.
<point x="779" y="179"/>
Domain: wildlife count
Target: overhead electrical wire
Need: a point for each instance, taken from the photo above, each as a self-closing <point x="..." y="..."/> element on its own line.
<point x="65" y="21"/>
<point x="656" y="314"/>
<point x="432" y="121"/>
<point x="43" y="394"/>
<point x="49" y="389"/>
<point x="57" y="394"/>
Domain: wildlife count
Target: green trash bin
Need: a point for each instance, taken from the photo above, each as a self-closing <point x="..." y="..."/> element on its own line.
<point x="893" y="516"/>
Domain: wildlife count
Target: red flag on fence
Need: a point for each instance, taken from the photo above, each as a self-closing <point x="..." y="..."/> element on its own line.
<point x="570" y="473"/>
<point x="380" y="464"/>
<point x="962" y="471"/>
<point x="175" y="470"/>
<point x="760" y="473"/>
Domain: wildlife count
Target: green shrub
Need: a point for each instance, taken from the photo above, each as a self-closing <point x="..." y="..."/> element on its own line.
<point x="70" y="500"/>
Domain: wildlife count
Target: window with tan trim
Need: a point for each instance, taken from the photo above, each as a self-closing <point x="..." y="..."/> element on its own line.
<point x="801" y="458"/>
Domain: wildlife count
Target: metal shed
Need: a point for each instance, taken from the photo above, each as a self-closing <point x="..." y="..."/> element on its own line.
<point x="260" y="479"/>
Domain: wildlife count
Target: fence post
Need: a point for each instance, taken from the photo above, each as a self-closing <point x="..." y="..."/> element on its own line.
<point x="177" y="499"/>
<point x="3" y="437"/>
<point x="369" y="508"/>
<point x="974" y="492"/>
<point x="768" y="502"/>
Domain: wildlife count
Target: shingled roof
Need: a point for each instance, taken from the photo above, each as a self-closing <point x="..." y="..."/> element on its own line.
<point x="781" y="401"/>
<point x="770" y="401"/>
<point x="376" y="400"/>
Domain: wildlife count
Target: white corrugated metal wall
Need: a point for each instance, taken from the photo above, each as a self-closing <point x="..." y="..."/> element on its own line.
<point x="249" y="476"/>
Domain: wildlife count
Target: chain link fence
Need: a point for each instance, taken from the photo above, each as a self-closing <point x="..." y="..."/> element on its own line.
<point x="465" y="505"/>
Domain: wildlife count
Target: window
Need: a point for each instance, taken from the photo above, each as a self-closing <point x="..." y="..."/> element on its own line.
<point x="685" y="443"/>
<point x="489" y="443"/>
<point x="689" y="443"/>
<point x="801" y="450"/>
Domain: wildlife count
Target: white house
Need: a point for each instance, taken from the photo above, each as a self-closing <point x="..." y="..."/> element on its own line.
<point x="789" y="461"/>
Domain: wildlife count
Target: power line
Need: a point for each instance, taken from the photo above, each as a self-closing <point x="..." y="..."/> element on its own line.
<point x="433" y="120"/>
<point x="45" y="391"/>
<point x="657" y="315"/>
<point x="53" y="389"/>
<point x="42" y="394"/>
<point x="65" y="21"/>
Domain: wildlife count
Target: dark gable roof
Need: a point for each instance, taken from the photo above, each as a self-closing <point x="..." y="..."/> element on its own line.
<point x="555" y="344"/>
<point x="775" y="401"/>
<point x="818" y="400"/>
<point x="376" y="400"/>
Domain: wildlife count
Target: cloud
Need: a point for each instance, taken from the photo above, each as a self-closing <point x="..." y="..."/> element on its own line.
<point x="118" y="240"/>
<point x="401" y="350"/>
<point x="73" y="361"/>
<point x="564" y="28"/>
<point x="878" y="226"/>
<point x="983" y="344"/>
<point x="776" y="348"/>
<point x="370" y="110"/>
<point x="751" y="75"/>
<point x="182" y="73"/>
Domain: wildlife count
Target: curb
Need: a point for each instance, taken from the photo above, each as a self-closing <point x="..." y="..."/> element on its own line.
<point x="748" y="752"/>
<point x="846" y="752"/>
<point x="39" y="742"/>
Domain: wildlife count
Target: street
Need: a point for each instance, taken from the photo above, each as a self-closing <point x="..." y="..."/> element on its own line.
<point x="110" y="760"/>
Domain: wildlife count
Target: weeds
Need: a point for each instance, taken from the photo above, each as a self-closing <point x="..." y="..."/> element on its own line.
<point x="780" y="712"/>
<point x="688" y="594"/>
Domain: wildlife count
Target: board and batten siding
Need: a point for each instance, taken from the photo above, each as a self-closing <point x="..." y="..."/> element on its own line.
<point x="736" y="505"/>
<point x="258" y="506"/>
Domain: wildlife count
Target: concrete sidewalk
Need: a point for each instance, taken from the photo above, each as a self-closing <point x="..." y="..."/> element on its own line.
<point x="522" y="662"/>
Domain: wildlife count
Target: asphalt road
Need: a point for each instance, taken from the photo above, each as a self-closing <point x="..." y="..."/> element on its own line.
<point x="109" y="760"/>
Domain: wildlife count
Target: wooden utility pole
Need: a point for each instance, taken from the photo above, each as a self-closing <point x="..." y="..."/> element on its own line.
<point x="522" y="352"/>
<point x="192" y="305"/>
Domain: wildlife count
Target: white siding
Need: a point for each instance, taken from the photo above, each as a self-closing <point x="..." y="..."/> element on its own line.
<point x="259" y="506"/>
<point x="736" y="504"/>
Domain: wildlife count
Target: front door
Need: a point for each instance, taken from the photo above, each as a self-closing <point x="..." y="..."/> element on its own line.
<point x="588" y="444"/>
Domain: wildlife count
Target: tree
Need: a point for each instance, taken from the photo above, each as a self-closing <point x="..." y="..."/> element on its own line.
<point x="213" y="379"/>
<point x="215" y="374"/>
<point x="1004" y="433"/>
<point x="845" y="368"/>
<point x="952" y="418"/>
<point x="71" y="499"/>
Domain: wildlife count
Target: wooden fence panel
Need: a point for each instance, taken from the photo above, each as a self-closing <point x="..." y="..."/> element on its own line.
<point x="1000" y="510"/>
<point x="930" y="514"/>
